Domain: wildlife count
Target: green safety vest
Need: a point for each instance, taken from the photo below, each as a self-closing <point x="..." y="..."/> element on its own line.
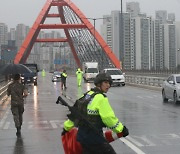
<point x="99" y="106"/>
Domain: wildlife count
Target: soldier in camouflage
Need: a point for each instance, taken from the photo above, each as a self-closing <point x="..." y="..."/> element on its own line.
<point x="17" y="91"/>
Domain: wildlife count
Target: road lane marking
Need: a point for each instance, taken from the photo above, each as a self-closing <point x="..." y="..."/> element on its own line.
<point x="52" y="124"/>
<point x="134" y="141"/>
<point x="55" y="123"/>
<point x="132" y="146"/>
<point x="139" y="97"/>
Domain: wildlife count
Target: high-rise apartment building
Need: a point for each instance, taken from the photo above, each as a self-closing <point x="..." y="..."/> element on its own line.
<point x="115" y="19"/>
<point x="170" y="46"/>
<point x="158" y="45"/>
<point x="140" y="38"/>
<point x="21" y="33"/>
<point x="147" y="43"/>
<point x="125" y="38"/>
<point x="171" y="17"/>
<point x="161" y="15"/>
<point x="12" y="34"/>
<point x="3" y="34"/>
<point x="178" y="44"/>
<point x="106" y="30"/>
<point x="133" y="8"/>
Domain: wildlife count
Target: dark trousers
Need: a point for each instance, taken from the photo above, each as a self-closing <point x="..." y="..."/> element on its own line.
<point x="104" y="148"/>
<point x="17" y="112"/>
<point x="63" y="85"/>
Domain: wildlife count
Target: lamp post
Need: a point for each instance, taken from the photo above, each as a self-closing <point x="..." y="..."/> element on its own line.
<point x="122" y="42"/>
<point x="178" y="57"/>
<point x="94" y="24"/>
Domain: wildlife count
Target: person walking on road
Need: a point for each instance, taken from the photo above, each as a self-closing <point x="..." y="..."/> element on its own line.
<point x="79" y="74"/>
<point x="17" y="91"/>
<point x="63" y="80"/>
<point x="99" y="114"/>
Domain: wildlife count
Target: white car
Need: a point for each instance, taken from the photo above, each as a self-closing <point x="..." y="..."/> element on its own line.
<point x="117" y="76"/>
<point x="56" y="77"/>
<point x="171" y="88"/>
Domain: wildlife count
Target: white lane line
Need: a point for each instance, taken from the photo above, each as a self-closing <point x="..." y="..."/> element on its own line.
<point x="134" y="141"/>
<point x="132" y="146"/>
<point x="4" y="117"/>
<point x="139" y="97"/>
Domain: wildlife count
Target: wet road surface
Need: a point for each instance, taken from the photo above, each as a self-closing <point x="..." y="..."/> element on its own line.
<point x="153" y="125"/>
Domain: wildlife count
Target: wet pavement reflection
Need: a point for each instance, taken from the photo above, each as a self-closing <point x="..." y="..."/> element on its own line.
<point x="19" y="146"/>
<point x="153" y="125"/>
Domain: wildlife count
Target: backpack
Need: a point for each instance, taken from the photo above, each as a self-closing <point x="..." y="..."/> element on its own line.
<point x="79" y="110"/>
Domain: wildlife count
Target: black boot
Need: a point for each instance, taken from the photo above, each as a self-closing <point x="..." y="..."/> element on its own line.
<point x="18" y="133"/>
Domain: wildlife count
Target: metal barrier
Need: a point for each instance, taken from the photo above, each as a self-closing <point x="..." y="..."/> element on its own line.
<point x="145" y="80"/>
<point x="141" y="80"/>
<point x="3" y="88"/>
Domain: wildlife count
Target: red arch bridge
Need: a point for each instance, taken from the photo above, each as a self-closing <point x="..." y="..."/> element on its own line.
<point x="72" y="21"/>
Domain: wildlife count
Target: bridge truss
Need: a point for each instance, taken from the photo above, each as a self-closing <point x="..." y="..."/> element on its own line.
<point x="85" y="42"/>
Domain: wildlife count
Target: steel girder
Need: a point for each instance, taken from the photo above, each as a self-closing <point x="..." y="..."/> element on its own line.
<point x="72" y="21"/>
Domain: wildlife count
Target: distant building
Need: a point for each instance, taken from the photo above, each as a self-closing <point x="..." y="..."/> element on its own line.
<point x="158" y="45"/>
<point x="8" y="52"/>
<point x="141" y="42"/>
<point x="133" y="8"/>
<point x="178" y="42"/>
<point x="171" y="17"/>
<point x="170" y="46"/>
<point x="21" y="33"/>
<point x="161" y="15"/>
<point x="3" y="34"/>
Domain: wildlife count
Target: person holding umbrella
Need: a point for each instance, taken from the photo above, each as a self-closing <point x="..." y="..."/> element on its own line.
<point x="17" y="91"/>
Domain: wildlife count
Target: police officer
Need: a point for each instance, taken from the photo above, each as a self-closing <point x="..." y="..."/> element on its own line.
<point x="79" y="76"/>
<point x="43" y="73"/>
<point x="63" y="80"/>
<point x="100" y="114"/>
<point x="17" y="91"/>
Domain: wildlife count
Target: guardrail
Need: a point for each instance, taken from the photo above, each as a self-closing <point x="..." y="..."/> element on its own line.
<point x="133" y="79"/>
<point x="145" y="80"/>
<point x="3" y="88"/>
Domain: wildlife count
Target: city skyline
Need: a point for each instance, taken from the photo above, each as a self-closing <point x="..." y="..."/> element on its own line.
<point x="13" y="15"/>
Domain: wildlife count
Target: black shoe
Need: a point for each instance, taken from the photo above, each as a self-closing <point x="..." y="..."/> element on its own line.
<point x="18" y="133"/>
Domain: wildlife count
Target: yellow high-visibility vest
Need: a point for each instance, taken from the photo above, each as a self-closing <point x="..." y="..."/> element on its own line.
<point x="99" y="105"/>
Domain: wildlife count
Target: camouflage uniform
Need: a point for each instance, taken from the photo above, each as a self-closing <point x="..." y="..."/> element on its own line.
<point x="16" y="91"/>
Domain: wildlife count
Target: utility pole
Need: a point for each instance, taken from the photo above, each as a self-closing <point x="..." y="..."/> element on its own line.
<point x="94" y="24"/>
<point x="122" y="42"/>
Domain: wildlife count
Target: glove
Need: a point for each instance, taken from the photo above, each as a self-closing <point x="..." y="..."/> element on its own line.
<point x="64" y="132"/>
<point x="125" y="131"/>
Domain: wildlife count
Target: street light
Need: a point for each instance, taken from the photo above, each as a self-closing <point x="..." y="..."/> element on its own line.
<point x="122" y="42"/>
<point x="94" y="23"/>
<point x="178" y="57"/>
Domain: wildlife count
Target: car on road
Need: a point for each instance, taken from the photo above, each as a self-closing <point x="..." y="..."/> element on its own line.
<point x="56" y="77"/>
<point x="117" y="76"/>
<point x="171" y="88"/>
<point x="29" y="78"/>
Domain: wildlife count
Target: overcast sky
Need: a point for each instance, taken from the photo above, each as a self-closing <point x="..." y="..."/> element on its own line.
<point x="14" y="12"/>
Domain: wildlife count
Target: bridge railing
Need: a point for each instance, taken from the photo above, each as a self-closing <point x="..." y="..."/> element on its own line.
<point x="145" y="80"/>
<point x="132" y="79"/>
<point x="3" y="87"/>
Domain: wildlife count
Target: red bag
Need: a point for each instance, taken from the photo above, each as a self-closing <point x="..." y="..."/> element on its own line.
<point x="70" y="144"/>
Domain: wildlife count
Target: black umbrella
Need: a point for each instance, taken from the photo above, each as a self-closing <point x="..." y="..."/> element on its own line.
<point x="14" y="69"/>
